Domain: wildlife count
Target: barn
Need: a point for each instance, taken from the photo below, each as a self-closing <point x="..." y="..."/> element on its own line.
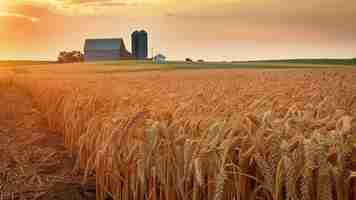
<point x="105" y="49"/>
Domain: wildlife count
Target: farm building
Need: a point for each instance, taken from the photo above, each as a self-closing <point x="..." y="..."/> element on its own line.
<point x="159" y="59"/>
<point x="105" y="49"/>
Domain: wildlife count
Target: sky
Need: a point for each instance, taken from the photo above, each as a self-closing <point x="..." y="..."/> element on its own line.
<point x="200" y="29"/>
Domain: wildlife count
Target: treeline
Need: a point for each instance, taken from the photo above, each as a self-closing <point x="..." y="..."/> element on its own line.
<point x="70" y="56"/>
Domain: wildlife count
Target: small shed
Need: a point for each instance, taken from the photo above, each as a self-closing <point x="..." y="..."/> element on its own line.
<point x="159" y="59"/>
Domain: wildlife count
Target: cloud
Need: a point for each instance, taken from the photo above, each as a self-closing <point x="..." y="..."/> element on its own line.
<point x="95" y="7"/>
<point x="95" y="3"/>
<point x="177" y="24"/>
<point x="324" y="19"/>
<point x="19" y="15"/>
<point x="103" y="3"/>
<point x="75" y="7"/>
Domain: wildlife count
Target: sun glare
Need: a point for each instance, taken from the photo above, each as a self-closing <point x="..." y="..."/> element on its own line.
<point x="4" y="5"/>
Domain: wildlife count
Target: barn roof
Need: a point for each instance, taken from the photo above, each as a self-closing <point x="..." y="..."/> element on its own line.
<point x="104" y="44"/>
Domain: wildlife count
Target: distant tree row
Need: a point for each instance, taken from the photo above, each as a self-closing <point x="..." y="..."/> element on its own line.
<point x="189" y="60"/>
<point x="71" y="56"/>
<point x="354" y="61"/>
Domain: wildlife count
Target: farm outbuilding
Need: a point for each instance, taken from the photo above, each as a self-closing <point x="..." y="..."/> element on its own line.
<point x="159" y="59"/>
<point x="105" y="49"/>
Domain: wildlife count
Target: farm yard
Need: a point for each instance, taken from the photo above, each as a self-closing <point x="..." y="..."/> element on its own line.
<point x="226" y="131"/>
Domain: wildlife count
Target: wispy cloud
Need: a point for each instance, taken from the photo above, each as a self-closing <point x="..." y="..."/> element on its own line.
<point x="19" y="15"/>
<point x="95" y="3"/>
<point x="93" y="7"/>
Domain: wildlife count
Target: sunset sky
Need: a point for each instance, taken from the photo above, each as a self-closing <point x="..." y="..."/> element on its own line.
<point x="208" y="29"/>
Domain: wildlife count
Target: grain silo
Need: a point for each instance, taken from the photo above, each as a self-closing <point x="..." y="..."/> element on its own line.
<point x="134" y="44"/>
<point x="139" y="41"/>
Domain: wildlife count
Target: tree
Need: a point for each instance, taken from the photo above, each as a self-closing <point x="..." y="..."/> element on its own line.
<point x="188" y="60"/>
<point x="353" y="61"/>
<point x="72" y="56"/>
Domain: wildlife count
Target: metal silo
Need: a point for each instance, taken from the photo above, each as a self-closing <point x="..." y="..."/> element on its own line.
<point x="139" y="42"/>
<point x="134" y="44"/>
<point x="142" y="45"/>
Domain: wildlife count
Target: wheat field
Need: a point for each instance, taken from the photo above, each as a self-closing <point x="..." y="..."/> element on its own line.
<point x="211" y="134"/>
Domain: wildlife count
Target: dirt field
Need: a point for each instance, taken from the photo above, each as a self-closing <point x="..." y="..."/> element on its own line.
<point x="34" y="161"/>
<point x="52" y="119"/>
